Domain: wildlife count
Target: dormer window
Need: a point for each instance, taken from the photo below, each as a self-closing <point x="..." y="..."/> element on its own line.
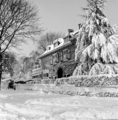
<point x="58" y="42"/>
<point x="49" y="47"/>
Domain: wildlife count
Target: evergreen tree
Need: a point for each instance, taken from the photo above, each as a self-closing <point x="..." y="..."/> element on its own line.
<point x="97" y="42"/>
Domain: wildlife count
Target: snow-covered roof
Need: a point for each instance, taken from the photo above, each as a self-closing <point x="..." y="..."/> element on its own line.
<point x="59" y="41"/>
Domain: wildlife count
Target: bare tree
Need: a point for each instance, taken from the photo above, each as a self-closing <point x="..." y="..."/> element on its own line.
<point x="18" y="23"/>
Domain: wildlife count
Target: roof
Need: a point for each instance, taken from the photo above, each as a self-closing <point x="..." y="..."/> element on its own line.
<point x="74" y="36"/>
<point x="56" y="49"/>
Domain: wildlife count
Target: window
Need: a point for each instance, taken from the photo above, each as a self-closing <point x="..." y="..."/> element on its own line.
<point x="68" y="52"/>
<point x="55" y="58"/>
<point x="51" y="60"/>
<point x="65" y="55"/>
<point x="40" y="75"/>
<point x="61" y="56"/>
<point x="56" y="43"/>
<point x="45" y="75"/>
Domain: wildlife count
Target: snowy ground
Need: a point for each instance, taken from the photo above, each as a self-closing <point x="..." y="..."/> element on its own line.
<point x="27" y="105"/>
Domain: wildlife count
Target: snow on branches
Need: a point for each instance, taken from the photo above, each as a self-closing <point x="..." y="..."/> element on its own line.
<point x="97" y="41"/>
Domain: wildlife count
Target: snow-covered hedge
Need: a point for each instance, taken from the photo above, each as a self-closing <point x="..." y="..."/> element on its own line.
<point x="88" y="94"/>
<point x="61" y="81"/>
<point x="47" y="81"/>
<point x="89" y="81"/>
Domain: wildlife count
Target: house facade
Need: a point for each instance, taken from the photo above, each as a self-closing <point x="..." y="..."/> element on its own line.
<point x="58" y="59"/>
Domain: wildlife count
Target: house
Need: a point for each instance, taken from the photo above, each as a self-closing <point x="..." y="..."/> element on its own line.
<point x="58" y="59"/>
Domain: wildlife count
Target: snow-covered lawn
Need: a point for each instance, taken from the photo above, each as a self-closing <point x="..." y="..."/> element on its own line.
<point x="24" y="105"/>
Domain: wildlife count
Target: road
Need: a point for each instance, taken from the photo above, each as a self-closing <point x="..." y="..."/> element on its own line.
<point x="30" y="105"/>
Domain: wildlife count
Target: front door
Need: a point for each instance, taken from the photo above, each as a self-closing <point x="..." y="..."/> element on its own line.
<point x="60" y="73"/>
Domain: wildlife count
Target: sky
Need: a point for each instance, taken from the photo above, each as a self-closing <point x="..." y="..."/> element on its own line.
<point x="60" y="15"/>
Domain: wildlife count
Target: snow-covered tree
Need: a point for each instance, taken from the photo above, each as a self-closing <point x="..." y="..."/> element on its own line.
<point x="97" y="42"/>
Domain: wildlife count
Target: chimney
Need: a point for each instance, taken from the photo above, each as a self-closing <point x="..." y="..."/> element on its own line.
<point x="70" y="30"/>
<point x="80" y="25"/>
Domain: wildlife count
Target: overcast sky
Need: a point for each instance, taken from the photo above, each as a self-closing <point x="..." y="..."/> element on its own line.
<point x="59" y="15"/>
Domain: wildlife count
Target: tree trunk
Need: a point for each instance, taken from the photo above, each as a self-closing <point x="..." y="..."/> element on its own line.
<point x="0" y="68"/>
<point x="0" y="78"/>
